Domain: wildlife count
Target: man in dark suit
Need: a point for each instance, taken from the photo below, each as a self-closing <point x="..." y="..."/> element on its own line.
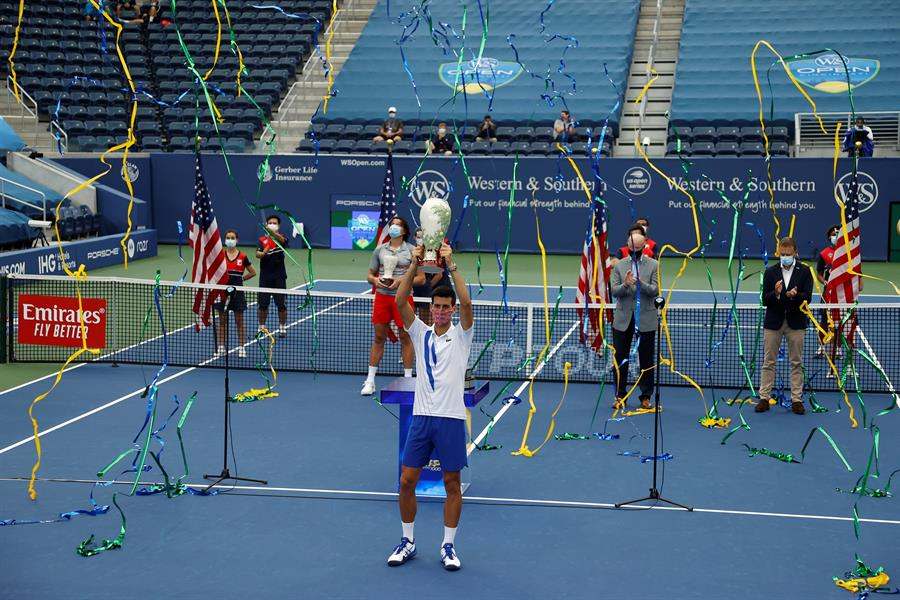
<point x="786" y="286"/>
<point x="635" y="280"/>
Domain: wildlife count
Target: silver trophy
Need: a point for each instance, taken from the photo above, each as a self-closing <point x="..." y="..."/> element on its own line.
<point x="434" y="218"/>
<point x="389" y="263"/>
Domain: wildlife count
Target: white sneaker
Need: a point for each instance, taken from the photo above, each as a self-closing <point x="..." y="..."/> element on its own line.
<point x="282" y="332"/>
<point x="368" y="388"/>
<point x="261" y="329"/>
<point x="449" y="558"/>
<point x="242" y="352"/>
<point x="820" y="353"/>
<point x="405" y="550"/>
<point x="220" y="351"/>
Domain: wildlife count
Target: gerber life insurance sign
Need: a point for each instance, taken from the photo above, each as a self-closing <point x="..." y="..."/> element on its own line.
<point x="57" y="321"/>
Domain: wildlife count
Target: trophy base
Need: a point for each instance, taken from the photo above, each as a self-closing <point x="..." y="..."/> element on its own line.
<point x="387" y="281"/>
<point x="432" y="266"/>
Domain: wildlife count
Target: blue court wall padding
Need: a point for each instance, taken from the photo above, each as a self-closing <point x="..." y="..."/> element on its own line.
<point x="308" y="187"/>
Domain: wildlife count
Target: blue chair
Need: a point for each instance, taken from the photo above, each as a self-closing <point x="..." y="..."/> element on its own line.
<point x="728" y="134"/>
<point x="151" y="143"/>
<point x="752" y="149"/>
<point x="778" y="134"/>
<point x="751" y="134"/>
<point x="327" y="146"/>
<point x="506" y="134"/>
<point x="402" y="147"/>
<point x="520" y="148"/>
<point x="95" y="128"/>
<point x="779" y="149"/>
<point x="543" y="134"/>
<point x="685" y="134"/>
<point x="524" y="134"/>
<point x="499" y="148"/>
<point x="673" y="150"/>
<point x="539" y="148"/>
<point x="705" y="134"/>
<point x="353" y="132"/>
<point x="703" y="148"/>
<point x="82" y="143"/>
<point x="365" y="147"/>
<point x="480" y="148"/>
<point x="345" y="146"/>
<point x="306" y="145"/>
<point x="727" y="149"/>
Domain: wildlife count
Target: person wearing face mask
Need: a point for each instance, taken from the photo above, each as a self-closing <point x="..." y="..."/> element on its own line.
<point x="859" y="141"/>
<point x="634" y="279"/>
<point x="439" y="413"/>
<point x="649" y="245"/>
<point x="389" y="263"/>
<point x="441" y="143"/>
<point x="823" y="270"/>
<point x="786" y="286"/>
<point x="239" y="270"/>
<point x="564" y="127"/>
<point x="432" y="280"/>
<point x="272" y="274"/>
<point x="391" y="128"/>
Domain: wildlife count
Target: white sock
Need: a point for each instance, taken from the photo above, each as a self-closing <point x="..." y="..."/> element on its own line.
<point x="372" y="371"/>
<point x="449" y="535"/>
<point x="408" y="530"/>
<point x="407" y="372"/>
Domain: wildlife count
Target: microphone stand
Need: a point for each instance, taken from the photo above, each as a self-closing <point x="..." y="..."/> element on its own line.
<point x="226" y="473"/>
<point x="658" y="302"/>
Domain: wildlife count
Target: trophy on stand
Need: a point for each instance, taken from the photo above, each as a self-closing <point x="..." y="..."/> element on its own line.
<point x="434" y="218"/>
<point x="389" y="262"/>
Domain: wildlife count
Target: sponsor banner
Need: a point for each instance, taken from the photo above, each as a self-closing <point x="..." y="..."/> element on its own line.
<point x="58" y="320"/>
<point x="830" y="73"/>
<point x="354" y="222"/>
<point x="547" y="187"/>
<point x="478" y="75"/>
<point x="92" y="253"/>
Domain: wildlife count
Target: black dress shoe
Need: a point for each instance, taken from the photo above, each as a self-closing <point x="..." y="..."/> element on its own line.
<point x="762" y="405"/>
<point x="798" y="408"/>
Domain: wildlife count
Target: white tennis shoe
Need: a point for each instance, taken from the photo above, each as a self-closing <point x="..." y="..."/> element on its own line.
<point x="449" y="558"/>
<point x="282" y="332"/>
<point x="368" y="388"/>
<point x="242" y="352"/>
<point x="405" y="550"/>
<point x="220" y="351"/>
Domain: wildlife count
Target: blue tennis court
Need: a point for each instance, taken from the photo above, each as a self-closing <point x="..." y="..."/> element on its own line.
<point x="531" y="527"/>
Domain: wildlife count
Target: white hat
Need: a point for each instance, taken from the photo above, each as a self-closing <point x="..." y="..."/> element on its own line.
<point x="392" y="109"/>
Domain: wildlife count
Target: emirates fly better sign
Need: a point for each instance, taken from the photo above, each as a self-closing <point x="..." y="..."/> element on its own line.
<point x="57" y="321"/>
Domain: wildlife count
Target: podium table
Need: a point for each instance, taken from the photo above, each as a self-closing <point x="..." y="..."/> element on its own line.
<point x="401" y="391"/>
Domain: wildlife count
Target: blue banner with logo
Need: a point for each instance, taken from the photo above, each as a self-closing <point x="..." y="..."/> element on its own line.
<point x="830" y="72"/>
<point x="309" y="187"/>
<point x="92" y="253"/>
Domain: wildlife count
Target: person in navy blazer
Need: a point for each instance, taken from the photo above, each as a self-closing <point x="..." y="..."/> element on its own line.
<point x="786" y="286"/>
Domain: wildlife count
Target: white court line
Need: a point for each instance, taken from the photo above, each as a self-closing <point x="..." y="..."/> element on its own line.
<point x="537" y="369"/>
<point x="140" y="390"/>
<point x="499" y="500"/>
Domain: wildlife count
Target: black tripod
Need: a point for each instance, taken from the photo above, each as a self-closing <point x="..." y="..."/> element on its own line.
<point x="658" y="302"/>
<point x="226" y="474"/>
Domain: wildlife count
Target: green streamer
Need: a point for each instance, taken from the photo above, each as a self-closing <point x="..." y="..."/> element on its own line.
<point x="88" y="548"/>
<point x="831" y="442"/>
<point x="782" y="456"/>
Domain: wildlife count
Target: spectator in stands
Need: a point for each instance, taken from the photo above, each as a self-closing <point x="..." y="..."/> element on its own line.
<point x="441" y="143"/>
<point x="649" y="245"/>
<point x="272" y="273"/>
<point x="823" y="270"/>
<point x="786" y="286"/>
<point x="634" y="283"/>
<point x="564" y="127"/>
<point x="487" y="130"/>
<point x="90" y="11"/>
<point x="239" y="270"/>
<point x="859" y="141"/>
<point x="390" y="261"/>
<point x="391" y="129"/>
<point x="148" y="10"/>
<point x="424" y="291"/>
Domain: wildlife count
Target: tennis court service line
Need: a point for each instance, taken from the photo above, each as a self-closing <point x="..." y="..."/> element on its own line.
<point x="108" y="354"/>
<point x="140" y="390"/>
<point x="537" y="369"/>
<point x="549" y="503"/>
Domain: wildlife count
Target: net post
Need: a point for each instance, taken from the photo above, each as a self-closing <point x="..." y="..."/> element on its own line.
<point x="4" y="317"/>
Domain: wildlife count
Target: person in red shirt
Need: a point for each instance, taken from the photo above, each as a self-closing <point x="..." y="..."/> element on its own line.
<point x="239" y="271"/>
<point x="649" y="245"/>
<point x="823" y="270"/>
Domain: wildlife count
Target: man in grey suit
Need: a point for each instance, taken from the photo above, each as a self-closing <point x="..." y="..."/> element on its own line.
<point x="635" y="281"/>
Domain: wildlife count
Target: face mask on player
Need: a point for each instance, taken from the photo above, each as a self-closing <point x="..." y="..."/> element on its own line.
<point x="230" y="242"/>
<point x="272" y="226"/>
<point x="395" y="231"/>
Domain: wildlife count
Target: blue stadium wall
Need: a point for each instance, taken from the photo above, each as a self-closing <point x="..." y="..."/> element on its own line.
<point x="309" y="187"/>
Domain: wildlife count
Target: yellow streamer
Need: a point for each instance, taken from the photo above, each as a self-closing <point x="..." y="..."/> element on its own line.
<point x="330" y="75"/>
<point x="762" y="120"/>
<point x="218" y="39"/>
<point x="254" y="394"/>
<point x="12" y="52"/>
<point x="860" y="584"/>
<point x="711" y="423"/>
<point x="647" y="85"/>
<point x="525" y="450"/>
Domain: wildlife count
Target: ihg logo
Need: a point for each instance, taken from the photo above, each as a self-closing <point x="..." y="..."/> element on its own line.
<point x="868" y="189"/>
<point x="429" y="184"/>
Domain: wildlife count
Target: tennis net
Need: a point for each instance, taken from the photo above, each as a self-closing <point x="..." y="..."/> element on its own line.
<point x="142" y="322"/>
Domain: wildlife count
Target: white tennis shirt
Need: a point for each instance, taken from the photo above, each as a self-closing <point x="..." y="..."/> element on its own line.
<point x="441" y="362"/>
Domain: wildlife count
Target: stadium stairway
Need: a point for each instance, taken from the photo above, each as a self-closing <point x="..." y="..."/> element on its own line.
<point x="667" y="34"/>
<point x="25" y="122"/>
<point x="293" y="117"/>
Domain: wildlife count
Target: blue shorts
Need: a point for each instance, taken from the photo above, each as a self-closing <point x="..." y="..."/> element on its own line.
<point x="445" y="436"/>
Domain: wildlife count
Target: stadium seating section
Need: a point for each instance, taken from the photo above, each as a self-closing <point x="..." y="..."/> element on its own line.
<point x="604" y="30"/>
<point x="714" y="85"/>
<point x="15" y="233"/>
<point x="57" y="45"/>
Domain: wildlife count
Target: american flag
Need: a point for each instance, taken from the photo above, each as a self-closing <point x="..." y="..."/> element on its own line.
<point x="388" y="203"/>
<point x="209" y="264"/>
<point x="844" y="280"/>
<point x="592" y="284"/>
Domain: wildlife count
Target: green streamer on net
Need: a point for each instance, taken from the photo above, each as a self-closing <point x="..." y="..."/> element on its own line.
<point x="831" y="442"/>
<point x="782" y="456"/>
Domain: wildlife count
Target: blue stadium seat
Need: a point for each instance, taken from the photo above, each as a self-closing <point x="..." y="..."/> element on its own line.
<point x="345" y="146"/>
<point x="703" y="149"/>
<point x="540" y="149"/>
<point x="403" y="147"/>
<point x="778" y="134"/>
<point x="499" y="148"/>
<point x="506" y="134"/>
<point x="524" y="134"/>
<point x="353" y="132"/>
<point x="751" y="134"/>
<point x="333" y="132"/>
<point x="727" y="149"/>
<point x="779" y="149"/>
<point x="480" y="148"/>
<point x="520" y="148"/>
<point x="704" y="134"/>
<point x="728" y="134"/>
<point x="752" y="149"/>
<point x="543" y="134"/>
<point x="673" y="150"/>
<point x="685" y="134"/>
<point x="151" y="143"/>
